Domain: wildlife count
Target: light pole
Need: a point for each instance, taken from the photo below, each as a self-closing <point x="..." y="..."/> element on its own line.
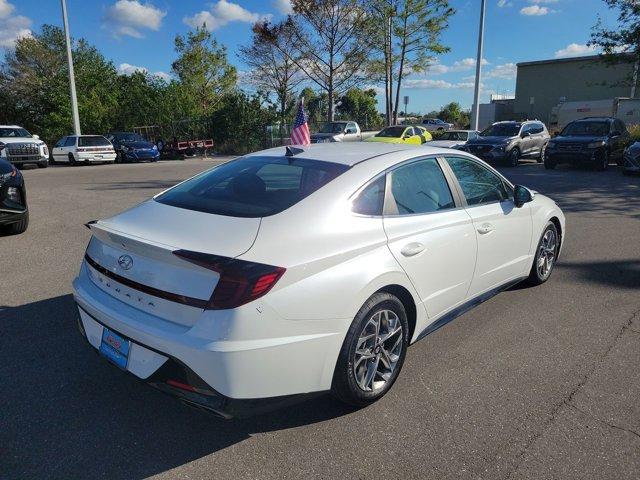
<point x="476" y="91"/>
<point x="72" y="80"/>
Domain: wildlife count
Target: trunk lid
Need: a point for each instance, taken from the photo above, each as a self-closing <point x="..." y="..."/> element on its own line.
<point x="131" y="256"/>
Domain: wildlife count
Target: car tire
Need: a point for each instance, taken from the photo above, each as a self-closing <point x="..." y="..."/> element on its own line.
<point x="603" y="163"/>
<point x="43" y="164"/>
<point x="548" y="245"/>
<point x="366" y="370"/>
<point x="540" y="158"/>
<point x="514" y="157"/>
<point x="72" y="160"/>
<point x="18" y="227"/>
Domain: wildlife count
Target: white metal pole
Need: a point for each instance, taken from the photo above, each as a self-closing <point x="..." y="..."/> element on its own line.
<point x="72" y="80"/>
<point x="476" y="93"/>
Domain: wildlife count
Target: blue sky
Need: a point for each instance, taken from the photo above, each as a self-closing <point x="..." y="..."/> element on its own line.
<point x="139" y="34"/>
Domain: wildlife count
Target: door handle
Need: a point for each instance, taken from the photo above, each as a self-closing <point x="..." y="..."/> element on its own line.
<point x="412" y="249"/>
<point x="485" y="228"/>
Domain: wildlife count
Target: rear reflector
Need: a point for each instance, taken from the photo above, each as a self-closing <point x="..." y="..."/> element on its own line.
<point x="240" y="281"/>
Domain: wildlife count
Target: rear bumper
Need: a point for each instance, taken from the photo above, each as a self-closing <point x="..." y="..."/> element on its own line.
<point x="93" y="157"/>
<point x="245" y="354"/>
<point x="177" y="380"/>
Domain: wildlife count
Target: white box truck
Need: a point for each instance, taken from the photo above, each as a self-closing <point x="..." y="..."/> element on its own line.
<point x="625" y="109"/>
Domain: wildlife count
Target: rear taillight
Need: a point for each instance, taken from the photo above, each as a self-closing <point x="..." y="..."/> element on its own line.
<point x="240" y="281"/>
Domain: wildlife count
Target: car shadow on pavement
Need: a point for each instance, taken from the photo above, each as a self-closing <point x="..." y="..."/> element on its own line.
<point x="67" y="413"/>
<point x="615" y="273"/>
<point x="582" y="190"/>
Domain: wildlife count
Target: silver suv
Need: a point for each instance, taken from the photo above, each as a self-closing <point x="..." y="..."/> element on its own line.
<point x="509" y="141"/>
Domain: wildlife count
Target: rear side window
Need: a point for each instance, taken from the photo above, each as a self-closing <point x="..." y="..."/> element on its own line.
<point x="252" y="187"/>
<point x="371" y="199"/>
<point x="93" y="141"/>
<point x="420" y="187"/>
<point x="478" y="184"/>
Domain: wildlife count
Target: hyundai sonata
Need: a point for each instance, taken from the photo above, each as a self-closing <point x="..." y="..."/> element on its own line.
<point x="287" y="273"/>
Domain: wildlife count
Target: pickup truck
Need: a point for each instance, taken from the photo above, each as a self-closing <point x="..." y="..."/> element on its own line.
<point x="343" y="131"/>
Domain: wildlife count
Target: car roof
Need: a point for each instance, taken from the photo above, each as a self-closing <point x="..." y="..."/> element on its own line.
<point x="595" y="119"/>
<point x="10" y="126"/>
<point x="350" y="153"/>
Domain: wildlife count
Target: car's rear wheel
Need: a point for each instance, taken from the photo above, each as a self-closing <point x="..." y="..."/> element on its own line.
<point x="72" y="160"/>
<point x="546" y="255"/>
<point x="373" y="351"/>
<point x="514" y="157"/>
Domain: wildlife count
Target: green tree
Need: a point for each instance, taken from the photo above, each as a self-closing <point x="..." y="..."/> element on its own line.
<point x="622" y="42"/>
<point x="361" y="106"/>
<point x="271" y="68"/>
<point x="203" y="70"/>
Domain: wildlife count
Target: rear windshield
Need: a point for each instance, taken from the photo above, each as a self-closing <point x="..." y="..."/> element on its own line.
<point x="93" y="141"/>
<point x="252" y="187"/>
<point x="454" y="136"/>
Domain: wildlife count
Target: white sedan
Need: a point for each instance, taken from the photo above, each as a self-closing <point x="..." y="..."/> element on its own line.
<point x="280" y="275"/>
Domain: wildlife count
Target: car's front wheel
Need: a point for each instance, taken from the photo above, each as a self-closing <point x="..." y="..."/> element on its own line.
<point x="514" y="157"/>
<point x="17" y="227"/>
<point x="546" y="255"/>
<point x="373" y="351"/>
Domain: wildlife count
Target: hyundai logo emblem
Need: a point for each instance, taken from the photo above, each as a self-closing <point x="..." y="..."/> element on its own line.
<point x="125" y="262"/>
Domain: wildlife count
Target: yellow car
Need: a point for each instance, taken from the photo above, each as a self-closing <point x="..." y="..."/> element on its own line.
<point x="402" y="134"/>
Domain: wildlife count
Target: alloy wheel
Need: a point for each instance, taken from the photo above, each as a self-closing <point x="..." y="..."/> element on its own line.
<point x="378" y="350"/>
<point x="546" y="254"/>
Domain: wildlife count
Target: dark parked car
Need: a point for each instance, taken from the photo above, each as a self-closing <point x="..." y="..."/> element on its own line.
<point x="509" y="141"/>
<point x="14" y="214"/>
<point x="631" y="159"/>
<point x="131" y="147"/>
<point x="593" y="141"/>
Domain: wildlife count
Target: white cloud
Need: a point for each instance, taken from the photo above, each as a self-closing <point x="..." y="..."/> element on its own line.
<point x="534" y="10"/>
<point x="128" y="69"/>
<point x="283" y="6"/>
<point x="13" y="26"/>
<point x="222" y="13"/>
<point x="129" y="17"/>
<point x="6" y="8"/>
<point x="504" y="3"/>
<point x="505" y="71"/>
<point x="436" y="84"/>
<point x="457" y="66"/>
<point x="575" y="50"/>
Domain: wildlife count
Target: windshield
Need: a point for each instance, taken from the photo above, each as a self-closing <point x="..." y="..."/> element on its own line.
<point x="454" y="136"/>
<point x="93" y="141"/>
<point x="391" y="132"/>
<point x="591" y="129"/>
<point x="501" y="130"/>
<point x="333" y="127"/>
<point x="252" y="187"/>
<point x="128" y="137"/>
<point x="14" y="132"/>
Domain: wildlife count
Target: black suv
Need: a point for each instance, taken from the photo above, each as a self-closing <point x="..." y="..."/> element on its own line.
<point x="508" y="141"/>
<point x="592" y="141"/>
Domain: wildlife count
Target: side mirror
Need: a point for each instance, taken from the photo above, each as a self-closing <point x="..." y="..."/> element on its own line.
<point x="521" y="195"/>
<point x="37" y="137"/>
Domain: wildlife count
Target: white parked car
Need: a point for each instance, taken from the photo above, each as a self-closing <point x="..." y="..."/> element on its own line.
<point x="454" y="138"/>
<point x="436" y="125"/>
<point x="275" y="276"/>
<point x="75" y="149"/>
<point x="20" y="147"/>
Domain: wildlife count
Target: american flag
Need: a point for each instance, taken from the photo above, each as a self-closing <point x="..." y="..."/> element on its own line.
<point x="300" y="134"/>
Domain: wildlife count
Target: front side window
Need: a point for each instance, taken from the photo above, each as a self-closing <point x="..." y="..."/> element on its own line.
<point x="61" y="142"/>
<point x="479" y="185"/>
<point x="420" y="187"/>
<point x="371" y="200"/>
<point x="252" y="187"/>
<point x="71" y="142"/>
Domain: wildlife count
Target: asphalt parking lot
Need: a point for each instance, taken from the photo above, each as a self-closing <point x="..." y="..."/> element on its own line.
<point x="536" y="383"/>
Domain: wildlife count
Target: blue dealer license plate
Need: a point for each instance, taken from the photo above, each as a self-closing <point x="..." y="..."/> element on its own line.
<point x="115" y="348"/>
